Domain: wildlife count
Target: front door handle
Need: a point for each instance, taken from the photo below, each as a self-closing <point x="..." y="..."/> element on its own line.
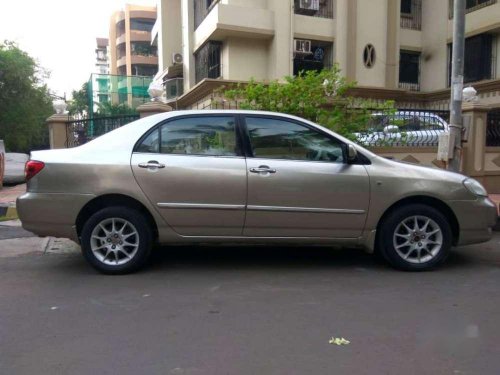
<point x="263" y="169"/>
<point x="152" y="164"/>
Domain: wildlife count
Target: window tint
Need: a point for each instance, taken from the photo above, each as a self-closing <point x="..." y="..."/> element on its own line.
<point x="279" y="139"/>
<point x="150" y="144"/>
<point x="215" y="136"/>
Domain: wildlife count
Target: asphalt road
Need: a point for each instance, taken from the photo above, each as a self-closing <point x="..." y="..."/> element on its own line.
<point x="251" y="311"/>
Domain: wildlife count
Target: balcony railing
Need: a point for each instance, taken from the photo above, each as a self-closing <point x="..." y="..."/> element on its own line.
<point x="472" y="5"/>
<point x="315" y="8"/>
<point x="412" y="18"/>
<point x="409" y="86"/>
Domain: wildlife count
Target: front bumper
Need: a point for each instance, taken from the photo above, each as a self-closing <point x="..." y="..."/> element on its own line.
<point x="475" y="219"/>
<point x="51" y="214"/>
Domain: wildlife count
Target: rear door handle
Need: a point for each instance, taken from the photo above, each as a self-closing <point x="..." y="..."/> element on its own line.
<point x="152" y="164"/>
<point x="263" y="169"/>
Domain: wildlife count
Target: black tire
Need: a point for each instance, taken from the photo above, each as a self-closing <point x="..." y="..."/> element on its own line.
<point x="144" y="240"/>
<point x="386" y="238"/>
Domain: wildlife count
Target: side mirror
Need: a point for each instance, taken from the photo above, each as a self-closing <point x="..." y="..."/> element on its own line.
<point x="352" y="153"/>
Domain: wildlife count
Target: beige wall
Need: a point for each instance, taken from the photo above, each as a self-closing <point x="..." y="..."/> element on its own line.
<point x="373" y="13"/>
<point x="169" y="33"/>
<point x="434" y="47"/>
<point x="245" y="58"/>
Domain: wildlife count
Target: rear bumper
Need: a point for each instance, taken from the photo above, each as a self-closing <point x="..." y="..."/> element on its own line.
<point x="51" y="214"/>
<point x="476" y="220"/>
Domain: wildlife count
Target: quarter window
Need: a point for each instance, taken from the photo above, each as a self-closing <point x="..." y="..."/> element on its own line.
<point x="211" y="136"/>
<point x="150" y="144"/>
<point x="279" y="139"/>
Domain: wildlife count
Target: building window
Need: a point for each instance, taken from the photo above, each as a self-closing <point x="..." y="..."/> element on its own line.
<point x="369" y="56"/>
<point x="120" y="28"/>
<point x="314" y="8"/>
<point x="479" y="58"/>
<point x="406" y="6"/>
<point x="472" y="5"/>
<point x="140" y="24"/>
<point x="409" y="70"/>
<point x="201" y="10"/>
<point x="144" y="70"/>
<point x="411" y="14"/>
<point x="121" y="51"/>
<point x="207" y="61"/>
<point x="312" y="55"/>
<point x="143" y="49"/>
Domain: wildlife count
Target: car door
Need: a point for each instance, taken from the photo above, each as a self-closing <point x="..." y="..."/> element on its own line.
<point x="193" y="172"/>
<point x="299" y="184"/>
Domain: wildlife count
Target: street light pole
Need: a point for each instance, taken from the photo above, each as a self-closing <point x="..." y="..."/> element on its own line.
<point x="457" y="85"/>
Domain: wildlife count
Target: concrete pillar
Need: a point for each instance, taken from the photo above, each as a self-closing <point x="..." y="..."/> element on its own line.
<point x="57" y="130"/>
<point x="187" y="15"/>
<point x="475" y="122"/>
<point x="345" y="43"/>
<point x="392" y="53"/>
<point x="153" y="108"/>
<point x="281" y="46"/>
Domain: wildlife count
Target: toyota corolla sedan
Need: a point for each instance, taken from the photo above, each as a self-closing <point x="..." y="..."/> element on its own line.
<point x="225" y="177"/>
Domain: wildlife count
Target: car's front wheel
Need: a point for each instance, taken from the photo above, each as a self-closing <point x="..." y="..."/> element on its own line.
<point x="116" y="240"/>
<point x="415" y="237"/>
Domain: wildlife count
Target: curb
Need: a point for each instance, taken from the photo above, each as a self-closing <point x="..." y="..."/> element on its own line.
<point x="8" y="213"/>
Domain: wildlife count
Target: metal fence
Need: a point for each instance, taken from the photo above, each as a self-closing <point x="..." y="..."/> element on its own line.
<point x="493" y="129"/>
<point x="375" y="127"/>
<point x="83" y="130"/>
<point x="402" y="128"/>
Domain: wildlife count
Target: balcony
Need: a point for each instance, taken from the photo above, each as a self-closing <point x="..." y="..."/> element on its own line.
<point x="472" y="5"/>
<point x="314" y="8"/>
<point x="121" y="39"/>
<point x="174" y="88"/>
<point x="226" y="20"/>
<point x="411" y="14"/>
<point x="140" y="36"/>
<point x="147" y="60"/>
<point x="122" y="61"/>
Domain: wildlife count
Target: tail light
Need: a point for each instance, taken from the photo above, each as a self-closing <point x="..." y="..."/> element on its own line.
<point x="32" y="168"/>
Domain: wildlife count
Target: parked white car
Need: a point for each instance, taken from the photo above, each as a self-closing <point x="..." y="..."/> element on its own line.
<point x="14" y="168"/>
<point x="404" y="128"/>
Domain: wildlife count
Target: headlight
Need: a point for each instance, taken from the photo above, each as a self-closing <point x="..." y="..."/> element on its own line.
<point x="475" y="187"/>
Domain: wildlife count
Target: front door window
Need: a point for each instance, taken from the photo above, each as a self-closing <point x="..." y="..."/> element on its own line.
<point x="280" y="139"/>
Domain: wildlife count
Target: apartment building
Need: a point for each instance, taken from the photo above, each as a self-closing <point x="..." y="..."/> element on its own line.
<point x="393" y="49"/>
<point x="131" y="52"/>
<point x="102" y="56"/>
<point x="100" y="80"/>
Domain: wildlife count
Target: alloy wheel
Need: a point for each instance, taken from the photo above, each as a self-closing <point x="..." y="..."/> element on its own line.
<point x="418" y="239"/>
<point x="114" y="241"/>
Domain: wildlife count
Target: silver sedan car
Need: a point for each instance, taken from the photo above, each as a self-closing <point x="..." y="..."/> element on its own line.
<point x="225" y="177"/>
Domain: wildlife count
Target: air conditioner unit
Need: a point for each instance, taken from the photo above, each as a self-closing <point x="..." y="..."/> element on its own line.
<point x="177" y="59"/>
<point x="302" y="47"/>
<point x="309" y="5"/>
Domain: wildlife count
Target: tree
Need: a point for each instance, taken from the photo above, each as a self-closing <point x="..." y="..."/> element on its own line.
<point x="321" y="97"/>
<point x="80" y="103"/>
<point x="110" y="109"/>
<point x="25" y="101"/>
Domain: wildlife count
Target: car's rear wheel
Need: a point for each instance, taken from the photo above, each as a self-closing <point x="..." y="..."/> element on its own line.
<point x="415" y="237"/>
<point x="116" y="240"/>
